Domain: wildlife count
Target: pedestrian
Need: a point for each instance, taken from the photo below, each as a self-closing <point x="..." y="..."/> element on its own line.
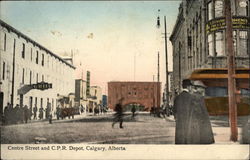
<point x="35" y="111"/>
<point x="26" y="113"/>
<point x="133" y="109"/>
<point x="49" y="112"/>
<point x="58" y="112"/>
<point x="30" y="113"/>
<point x="203" y="128"/>
<point x="6" y="114"/>
<point x="118" y="116"/>
<point x="190" y="116"/>
<point x="15" y="114"/>
<point x="41" y="113"/>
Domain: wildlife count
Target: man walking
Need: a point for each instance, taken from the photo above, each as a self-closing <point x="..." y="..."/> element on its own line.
<point x="118" y="116"/>
<point x="190" y="115"/>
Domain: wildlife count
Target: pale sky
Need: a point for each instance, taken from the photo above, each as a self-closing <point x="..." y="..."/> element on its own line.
<point x="114" y="40"/>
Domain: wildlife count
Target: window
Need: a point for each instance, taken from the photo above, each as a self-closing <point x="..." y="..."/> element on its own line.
<point x="43" y="78"/>
<point x="36" y="57"/>
<point x="30" y="77"/>
<point x="235" y="42"/>
<point x="242" y="43"/>
<point x="42" y="59"/>
<point x="23" y="51"/>
<point x="4" y="45"/>
<point x="23" y="76"/>
<point x="219" y="37"/>
<point x="210" y="10"/>
<point x="210" y="45"/>
<point x="3" y="70"/>
<point x="218" y="8"/>
<point x="37" y="78"/>
<point x="216" y="91"/>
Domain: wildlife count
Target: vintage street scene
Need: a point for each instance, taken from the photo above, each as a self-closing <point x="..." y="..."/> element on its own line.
<point x="125" y="72"/>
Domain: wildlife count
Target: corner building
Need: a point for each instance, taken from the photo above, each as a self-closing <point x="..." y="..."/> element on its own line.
<point x="32" y="63"/>
<point x="199" y="38"/>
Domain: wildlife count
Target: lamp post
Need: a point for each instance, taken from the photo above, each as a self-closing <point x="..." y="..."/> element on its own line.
<point x="166" y="102"/>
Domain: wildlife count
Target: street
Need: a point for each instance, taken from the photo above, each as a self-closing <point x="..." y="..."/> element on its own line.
<point x="144" y="129"/>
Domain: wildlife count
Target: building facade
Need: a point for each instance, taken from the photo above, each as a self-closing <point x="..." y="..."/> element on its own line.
<point x="80" y="93"/>
<point x="147" y="94"/>
<point x="24" y="63"/>
<point x="94" y="98"/>
<point x="198" y="37"/>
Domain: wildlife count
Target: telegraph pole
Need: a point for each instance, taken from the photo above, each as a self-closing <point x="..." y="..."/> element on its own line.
<point x="166" y="52"/>
<point x="13" y="74"/>
<point x="158" y="79"/>
<point x="231" y="73"/>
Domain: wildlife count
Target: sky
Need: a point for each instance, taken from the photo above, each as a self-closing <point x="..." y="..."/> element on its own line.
<point x="114" y="40"/>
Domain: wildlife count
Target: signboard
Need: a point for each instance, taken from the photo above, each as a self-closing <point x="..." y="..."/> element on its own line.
<point x="88" y="83"/>
<point x="220" y="24"/>
<point x="41" y="85"/>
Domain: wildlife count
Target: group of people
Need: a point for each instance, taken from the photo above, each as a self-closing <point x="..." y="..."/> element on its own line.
<point x="17" y="114"/>
<point x="23" y="114"/>
<point x="192" y="120"/>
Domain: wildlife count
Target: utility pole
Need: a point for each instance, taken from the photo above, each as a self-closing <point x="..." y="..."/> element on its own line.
<point x="166" y="102"/>
<point x="166" y="52"/>
<point x="231" y="73"/>
<point x="13" y="74"/>
<point x="158" y="80"/>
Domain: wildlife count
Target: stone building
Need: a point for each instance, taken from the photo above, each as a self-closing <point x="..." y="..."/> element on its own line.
<point x="198" y="37"/>
<point x="147" y="94"/>
<point x="26" y="65"/>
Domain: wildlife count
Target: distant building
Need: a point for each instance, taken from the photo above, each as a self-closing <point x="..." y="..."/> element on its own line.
<point x="198" y="37"/>
<point x="147" y="94"/>
<point x="80" y="93"/>
<point x="94" y="98"/>
<point x="34" y="66"/>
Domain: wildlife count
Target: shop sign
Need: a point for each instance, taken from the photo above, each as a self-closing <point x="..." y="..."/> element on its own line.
<point x="41" y="85"/>
<point x="220" y="24"/>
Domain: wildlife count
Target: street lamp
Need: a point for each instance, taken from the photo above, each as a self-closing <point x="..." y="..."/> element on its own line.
<point x="166" y="102"/>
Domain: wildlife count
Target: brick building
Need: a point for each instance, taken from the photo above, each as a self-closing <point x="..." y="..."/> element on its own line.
<point x="147" y="94"/>
<point x="198" y="37"/>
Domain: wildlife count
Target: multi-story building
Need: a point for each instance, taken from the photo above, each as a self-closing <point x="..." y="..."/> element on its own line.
<point x="25" y="63"/>
<point x="80" y="93"/>
<point x="198" y="37"/>
<point x="94" y="98"/>
<point x="147" y="94"/>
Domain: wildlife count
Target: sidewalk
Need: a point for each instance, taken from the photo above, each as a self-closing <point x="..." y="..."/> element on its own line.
<point x="221" y="132"/>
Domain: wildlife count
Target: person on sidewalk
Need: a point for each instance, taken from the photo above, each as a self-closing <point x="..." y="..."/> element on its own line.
<point x="118" y="116"/>
<point x="133" y="109"/>
<point x="191" y="117"/>
<point x="26" y="113"/>
<point x="35" y="111"/>
<point x="201" y="127"/>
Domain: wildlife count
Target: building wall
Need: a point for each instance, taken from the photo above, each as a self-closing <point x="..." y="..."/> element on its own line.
<point x="51" y="69"/>
<point x="193" y="47"/>
<point x="144" y="93"/>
